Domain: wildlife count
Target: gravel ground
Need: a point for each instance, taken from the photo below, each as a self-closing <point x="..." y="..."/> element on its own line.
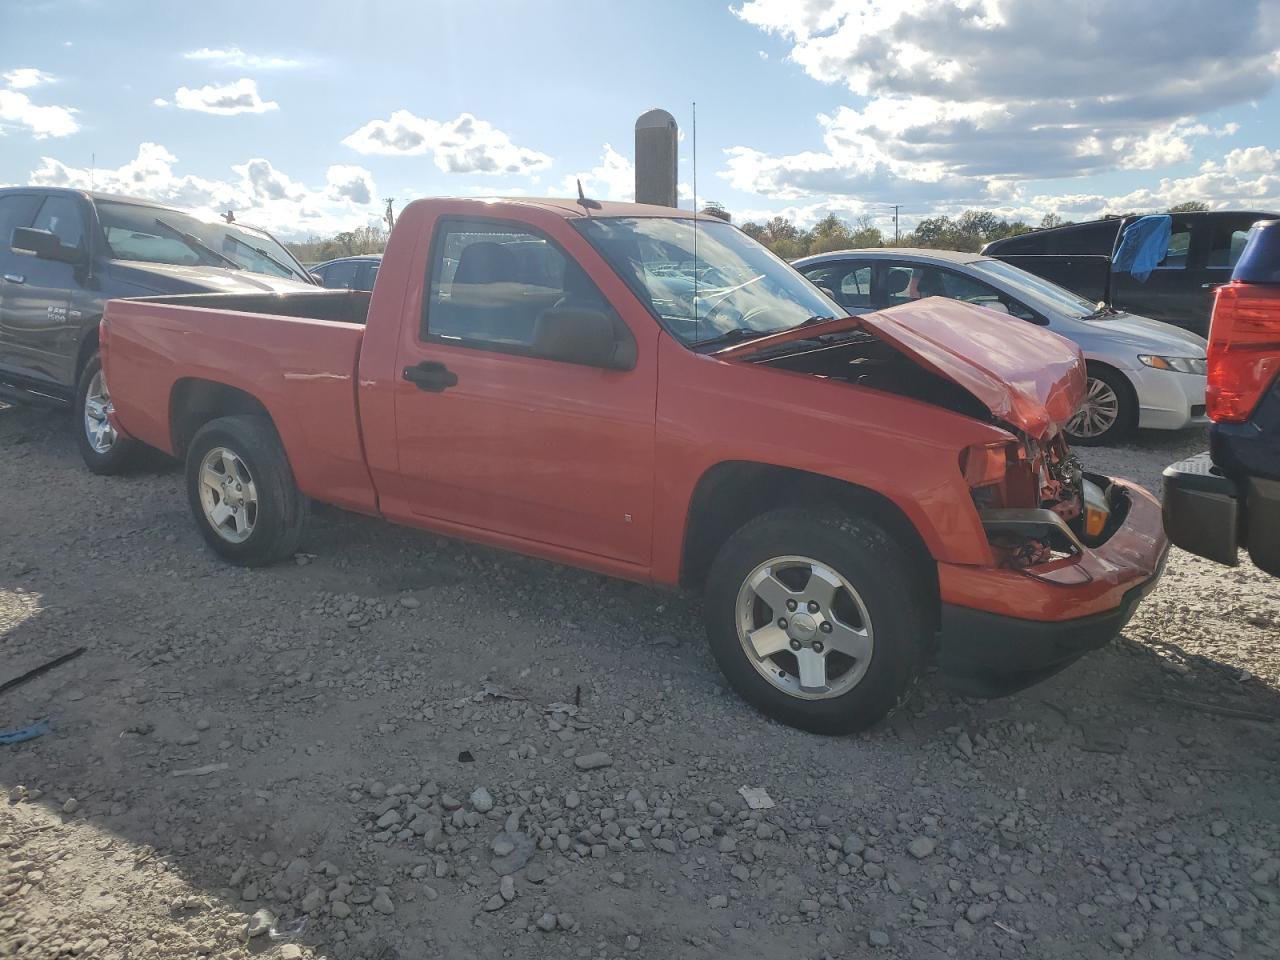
<point x="406" y="747"/>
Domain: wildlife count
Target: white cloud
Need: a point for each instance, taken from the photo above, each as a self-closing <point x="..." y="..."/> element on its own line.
<point x="228" y="99"/>
<point x="18" y="109"/>
<point x="258" y="192"/>
<point x="352" y="183"/>
<point x="160" y="102"/>
<point x="961" y="94"/>
<point x="23" y="78"/>
<point x="462" y="145"/>
<point x="613" y="178"/>
<point x="238" y="59"/>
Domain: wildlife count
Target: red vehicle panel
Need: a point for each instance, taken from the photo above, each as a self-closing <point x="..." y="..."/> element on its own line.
<point x="523" y="379"/>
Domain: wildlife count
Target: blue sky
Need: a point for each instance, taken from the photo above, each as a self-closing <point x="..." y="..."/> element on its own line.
<point x="302" y="116"/>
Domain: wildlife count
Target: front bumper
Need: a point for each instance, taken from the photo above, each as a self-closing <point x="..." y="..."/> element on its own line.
<point x="1168" y="400"/>
<point x="1002" y="630"/>
<point x="1211" y="515"/>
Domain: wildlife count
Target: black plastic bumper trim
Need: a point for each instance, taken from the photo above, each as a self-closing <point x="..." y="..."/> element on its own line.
<point x="1203" y="509"/>
<point x="990" y="655"/>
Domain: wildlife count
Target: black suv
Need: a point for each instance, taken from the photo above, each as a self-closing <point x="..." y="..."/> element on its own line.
<point x="65" y="253"/>
<point x="1229" y="497"/>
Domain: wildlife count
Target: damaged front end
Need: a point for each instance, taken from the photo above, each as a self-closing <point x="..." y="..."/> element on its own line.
<point x="1039" y="508"/>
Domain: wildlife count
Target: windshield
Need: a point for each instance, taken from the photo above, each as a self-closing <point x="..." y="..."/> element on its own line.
<point x="157" y="235"/>
<point x="1039" y="292"/>
<point x="733" y="289"/>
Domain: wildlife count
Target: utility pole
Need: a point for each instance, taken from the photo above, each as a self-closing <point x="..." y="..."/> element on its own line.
<point x="390" y="215"/>
<point x="895" y="222"/>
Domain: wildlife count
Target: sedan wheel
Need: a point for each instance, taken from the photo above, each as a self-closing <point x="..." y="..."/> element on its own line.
<point x="1109" y="411"/>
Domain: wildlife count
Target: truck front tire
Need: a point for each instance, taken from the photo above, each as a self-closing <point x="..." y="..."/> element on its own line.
<point x="816" y="618"/>
<point x="103" y="450"/>
<point x="242" y="492"/>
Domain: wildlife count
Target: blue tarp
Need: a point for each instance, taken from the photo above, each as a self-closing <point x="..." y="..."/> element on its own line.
<point x="1143" y="246"/>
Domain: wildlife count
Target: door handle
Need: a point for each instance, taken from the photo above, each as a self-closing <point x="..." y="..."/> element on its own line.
<point x="15" y="278"/>
<point x="431" y="375"/>
<point x="1209" y="286"/>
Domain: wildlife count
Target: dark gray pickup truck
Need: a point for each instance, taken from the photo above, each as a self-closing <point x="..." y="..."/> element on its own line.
<point x="65" y="253"/>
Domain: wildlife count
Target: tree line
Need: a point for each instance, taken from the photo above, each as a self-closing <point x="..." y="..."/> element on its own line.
<point x="349" y="243"/>
<point x="969" y="231"/>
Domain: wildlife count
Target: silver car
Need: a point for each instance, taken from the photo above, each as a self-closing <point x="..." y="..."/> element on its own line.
<point x="1142" y="373"/>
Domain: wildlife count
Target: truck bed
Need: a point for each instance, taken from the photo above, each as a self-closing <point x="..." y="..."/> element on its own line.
<point x="295" y="355"/>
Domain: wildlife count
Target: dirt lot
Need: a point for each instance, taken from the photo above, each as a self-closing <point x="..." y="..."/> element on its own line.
<point x="425" y="749"/>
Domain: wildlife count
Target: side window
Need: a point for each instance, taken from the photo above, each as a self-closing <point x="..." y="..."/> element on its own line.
<point x="1032" y="244"/>
<point x="1227" y="242"/>
<point x="1175" y="255"/>
<point x="1094" y="239"/>
<point x="494" y="286"/>
<point x="368" y="273"/>
<point x="855" y="286"/>
<point x="900" y="285"/>
<point x="61" y="216"/>
<point x="849" y="283"/>
<point x="341" y="275"/>
<point x="957" y="286"/>
<point x="15" y="211"/>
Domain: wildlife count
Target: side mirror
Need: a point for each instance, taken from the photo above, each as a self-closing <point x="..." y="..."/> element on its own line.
<point x="593" y="338"/>
<point x="44" y="244"/>
<point x="317" y="277"/>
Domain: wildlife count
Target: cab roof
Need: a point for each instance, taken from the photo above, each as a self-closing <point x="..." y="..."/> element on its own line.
<point x="571" y="209"/>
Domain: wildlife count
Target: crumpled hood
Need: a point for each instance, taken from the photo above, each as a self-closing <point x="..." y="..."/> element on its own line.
<point x="180" y="278"/>
<point x="1028" y="377"/>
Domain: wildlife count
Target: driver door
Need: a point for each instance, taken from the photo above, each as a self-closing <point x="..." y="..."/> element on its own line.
<point x="494" y="438"/>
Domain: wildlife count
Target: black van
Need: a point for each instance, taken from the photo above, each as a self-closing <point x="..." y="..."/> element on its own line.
<point x="1203" y="249"/>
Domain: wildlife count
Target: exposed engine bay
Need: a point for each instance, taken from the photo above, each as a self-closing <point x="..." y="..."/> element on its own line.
<point x="1033" y="496"/>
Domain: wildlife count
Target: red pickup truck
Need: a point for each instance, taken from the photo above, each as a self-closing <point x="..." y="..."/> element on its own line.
<point x="653" y="395"/>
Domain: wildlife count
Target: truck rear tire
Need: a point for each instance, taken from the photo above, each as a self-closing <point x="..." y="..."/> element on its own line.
<point x="816" y="618"/>
<point x="242" y="492"/>
<point x="103" y="450"/>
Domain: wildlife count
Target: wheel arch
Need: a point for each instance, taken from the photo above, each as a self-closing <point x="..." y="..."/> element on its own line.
<point x="1091" y="363"/>
<point x="193" y="402"/>
<point x="88" y="347"/>
<point x="731" y="493"/>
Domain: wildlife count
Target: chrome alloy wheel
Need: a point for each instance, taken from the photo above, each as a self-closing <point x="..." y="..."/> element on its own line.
<point x="1098" y="413"/>
<point x="228" y="495"/>
<point x="804" y="628"/>
<point x="97" y="405"/>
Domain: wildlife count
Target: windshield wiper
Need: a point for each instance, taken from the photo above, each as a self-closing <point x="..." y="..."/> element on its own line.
<point x="289" y="271"/>
<point x="1106" y="310"/>
<point x="195" y="243"/>
<point x="736" y="335"/>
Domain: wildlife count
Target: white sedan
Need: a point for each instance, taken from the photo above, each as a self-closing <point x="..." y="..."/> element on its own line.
<point x="1142" y="373"/>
